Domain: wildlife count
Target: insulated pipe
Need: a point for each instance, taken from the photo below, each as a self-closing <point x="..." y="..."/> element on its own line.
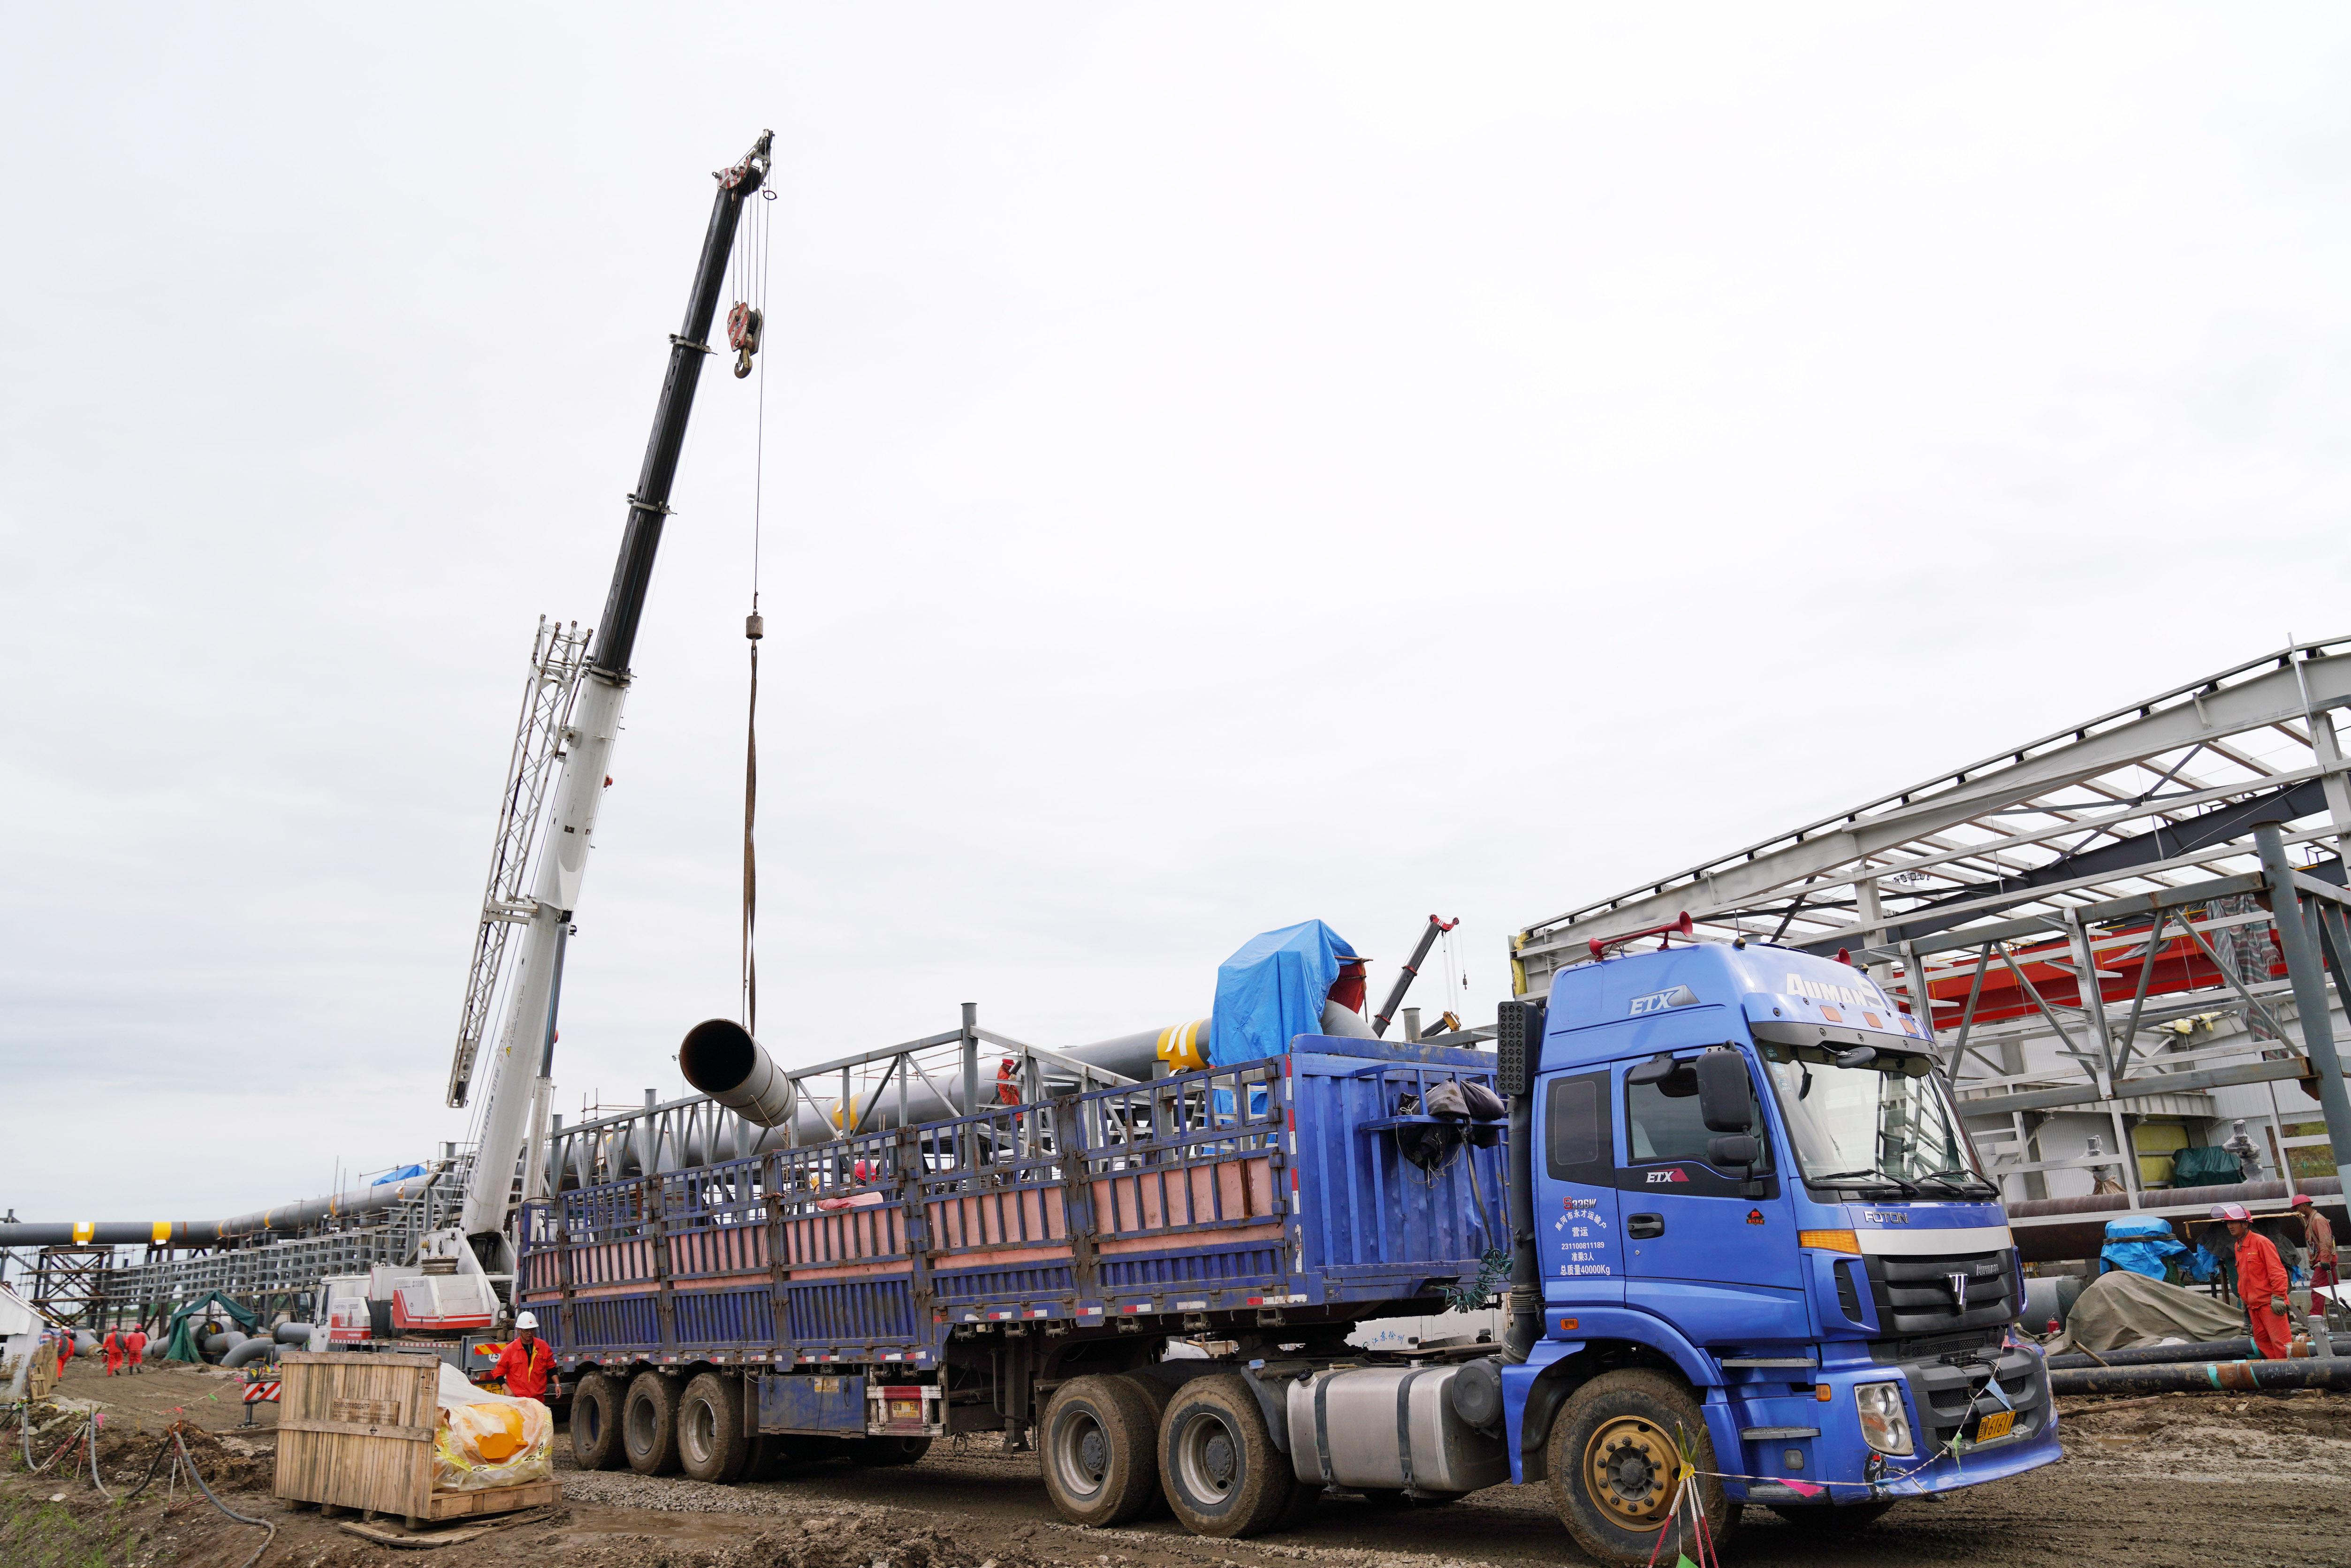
<point x="292" y="1334"/>
<point x="2317" y="1372"/>
<point x="2082" y="1237"/>
<point x="204" y="1232"/>
<point x="251" y="1350"/>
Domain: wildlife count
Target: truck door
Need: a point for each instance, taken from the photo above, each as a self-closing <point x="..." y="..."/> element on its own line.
<point x="1701" y="1248"/>
<point x="1575" y="1193"/>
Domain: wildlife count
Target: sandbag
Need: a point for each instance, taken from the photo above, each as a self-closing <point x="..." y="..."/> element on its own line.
<point x="483" y="1441"/>
<point x="2122" y="1309"/>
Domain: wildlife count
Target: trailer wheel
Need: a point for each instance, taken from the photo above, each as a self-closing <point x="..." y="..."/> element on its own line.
<point x="648" y="1423"/>
<point x="1101" y="1451"/>
<point x="888" y="1450"/>
<point x="596" y="1424"/>
<point x="1218" y="1463"/>
<point x="710" y="1442"/>
<point x="1614" y="1458"/>
<point x="1819" y="1519"/>
<point x="1156" y="1395"/>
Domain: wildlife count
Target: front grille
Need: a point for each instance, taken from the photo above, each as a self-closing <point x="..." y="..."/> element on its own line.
<point x="1915" y="1295"/>
<point x="1944" y="1391"/>
<point x="1930" y="1347"/>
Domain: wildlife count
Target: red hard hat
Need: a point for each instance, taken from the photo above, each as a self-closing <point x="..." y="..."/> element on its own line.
<point x="2302" y="1198"/>
<point x="2230" y="1211"/>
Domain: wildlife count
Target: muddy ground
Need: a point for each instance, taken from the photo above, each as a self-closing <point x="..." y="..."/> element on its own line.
<point x="2181" y="1479"/>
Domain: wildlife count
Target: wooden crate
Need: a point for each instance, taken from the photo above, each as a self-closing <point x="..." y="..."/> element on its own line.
<point x="355" y="1430"/>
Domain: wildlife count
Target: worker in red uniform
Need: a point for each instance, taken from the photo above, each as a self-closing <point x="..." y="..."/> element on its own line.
<point x="65" y="1350"/>
<point x="2318" y="1237"/>
<point x="114" y="1351"/>
<point x="2261" y="1282"/>
<point x="525" y="1364"/>
<point x="135" y="1346"/>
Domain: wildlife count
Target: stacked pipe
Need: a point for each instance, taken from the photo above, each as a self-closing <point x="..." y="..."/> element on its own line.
<point x="2196" y="1376"/>
<point x="2157" y="1354"/>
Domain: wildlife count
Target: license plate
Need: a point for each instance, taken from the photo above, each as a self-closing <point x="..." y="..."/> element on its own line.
<point x="1994" y="1427"/>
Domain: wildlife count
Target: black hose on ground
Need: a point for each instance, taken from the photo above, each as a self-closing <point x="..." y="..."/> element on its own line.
<point x="2233" y="1377"/>
<point x="197" y="1476"/>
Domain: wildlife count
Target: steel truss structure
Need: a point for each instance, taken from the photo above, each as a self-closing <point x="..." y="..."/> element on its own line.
<point x="2088" y="921"/>
<point x="257" y="1269"/>
<point x="895" y="1086"/>
<point x="848" y="1097"/>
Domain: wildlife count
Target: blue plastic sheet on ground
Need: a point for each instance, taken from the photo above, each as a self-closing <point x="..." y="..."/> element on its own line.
<point x="2143" y="1246"/>
<point x="1273" y="990"/>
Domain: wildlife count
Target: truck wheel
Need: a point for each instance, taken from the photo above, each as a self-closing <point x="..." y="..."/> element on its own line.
<point x="1218" y="1463"/>
<point x="1613" y="1461"/>
<point x="596" y="1424"/>
<point x="710" y="1442"/>
<point x="1156" y="1395"/>
<point x="1101" y="1451"/>
<point x="648" y="1423"/>
<point x="1820" y="1518"/>
<point x="888" y="1450"/>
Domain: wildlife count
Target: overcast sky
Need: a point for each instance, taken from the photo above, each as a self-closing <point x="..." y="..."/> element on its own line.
<point x="1224" y="466"/>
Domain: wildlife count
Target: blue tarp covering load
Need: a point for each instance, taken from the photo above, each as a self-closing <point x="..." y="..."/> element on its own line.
<point x="1273" y="989"/>
<point x="2143" y="1246"/>
<point x="402" y="1174"/>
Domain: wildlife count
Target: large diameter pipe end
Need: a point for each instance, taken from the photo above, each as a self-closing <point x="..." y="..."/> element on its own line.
<point x="720" y="1059"/>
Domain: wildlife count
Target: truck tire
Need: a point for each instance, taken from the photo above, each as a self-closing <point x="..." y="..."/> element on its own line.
<point x="711" y="1445"/>
<point x="1101" y="1451"/>
<point x="648" y="1423"/>
<point x="1218" y="1464"/>
<point x="1820" y="1518"/>
<point x="888" y="1450"/>
<point x="1156" y="1395"/>
<point x="596" y="1424"/>
<point x="1613" y="1461"/>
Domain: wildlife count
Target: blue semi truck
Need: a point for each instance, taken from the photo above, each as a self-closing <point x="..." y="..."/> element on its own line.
<point x="1745" y="1255"/>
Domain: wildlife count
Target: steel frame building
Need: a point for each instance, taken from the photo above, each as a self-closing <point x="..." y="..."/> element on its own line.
<point x="2088" y="922"/>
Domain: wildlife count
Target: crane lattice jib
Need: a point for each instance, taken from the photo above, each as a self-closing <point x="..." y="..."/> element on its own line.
<point x="557" y="654"/>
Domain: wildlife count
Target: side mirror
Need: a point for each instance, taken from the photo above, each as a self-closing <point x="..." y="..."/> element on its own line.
<point x="1739" y="1149"/>
<point x="1724" y="1100"/>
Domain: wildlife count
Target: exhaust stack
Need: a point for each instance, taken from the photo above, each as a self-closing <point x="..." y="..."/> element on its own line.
<point x="720" y="1059"/>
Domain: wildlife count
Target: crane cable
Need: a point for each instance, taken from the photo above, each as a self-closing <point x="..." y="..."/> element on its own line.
<point x="751" y="263"/>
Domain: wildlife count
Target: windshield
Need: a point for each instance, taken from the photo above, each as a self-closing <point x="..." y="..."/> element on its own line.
<point x="1876" y="1125"/>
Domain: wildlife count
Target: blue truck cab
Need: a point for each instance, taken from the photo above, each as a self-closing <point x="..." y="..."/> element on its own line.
<point x="1755" y="1211"/>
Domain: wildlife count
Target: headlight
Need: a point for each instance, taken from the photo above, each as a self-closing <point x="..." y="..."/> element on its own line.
<point x="1883" y="1426"/>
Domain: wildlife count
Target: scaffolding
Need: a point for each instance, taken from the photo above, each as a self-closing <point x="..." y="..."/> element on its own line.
<point x="2088" y="922"/>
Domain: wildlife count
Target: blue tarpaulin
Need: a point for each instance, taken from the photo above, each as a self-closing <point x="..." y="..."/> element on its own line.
<point x="402" y="1174"/>
<point x="2143" y="1246"/>
<point x="1272" y="990"/>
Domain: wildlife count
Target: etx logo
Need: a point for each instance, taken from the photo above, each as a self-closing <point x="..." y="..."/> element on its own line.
<point x="1659" y="1001"/>
<point x="1677" y="1174"/>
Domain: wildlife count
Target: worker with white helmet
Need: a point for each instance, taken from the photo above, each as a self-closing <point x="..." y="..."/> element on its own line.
<point x="2261" y="1282"/>
<point x="525" y="1364"/>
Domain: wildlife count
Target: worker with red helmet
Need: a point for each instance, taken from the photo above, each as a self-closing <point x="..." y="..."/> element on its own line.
<point x="2261" y="1282"/>
<point x="135" y="1348"/>
<point x="2318" y="1237"/>
<point x="525" y="1364"/>
<point x="114" y="1351"/>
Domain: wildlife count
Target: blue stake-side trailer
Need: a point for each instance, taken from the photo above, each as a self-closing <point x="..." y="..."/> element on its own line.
<point x="953" y="1276"/>
<point x="1743" y="1232"/>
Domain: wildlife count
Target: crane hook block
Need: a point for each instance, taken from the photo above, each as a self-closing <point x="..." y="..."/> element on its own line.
<point x="743" y="324"/>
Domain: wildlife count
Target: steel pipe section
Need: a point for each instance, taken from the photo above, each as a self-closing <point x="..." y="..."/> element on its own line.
<point x="251" y="1350"/>
<point x="204" y="1232"/>
<point x="2202" y="1376"/>
<point x="2159" y="1354"/>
